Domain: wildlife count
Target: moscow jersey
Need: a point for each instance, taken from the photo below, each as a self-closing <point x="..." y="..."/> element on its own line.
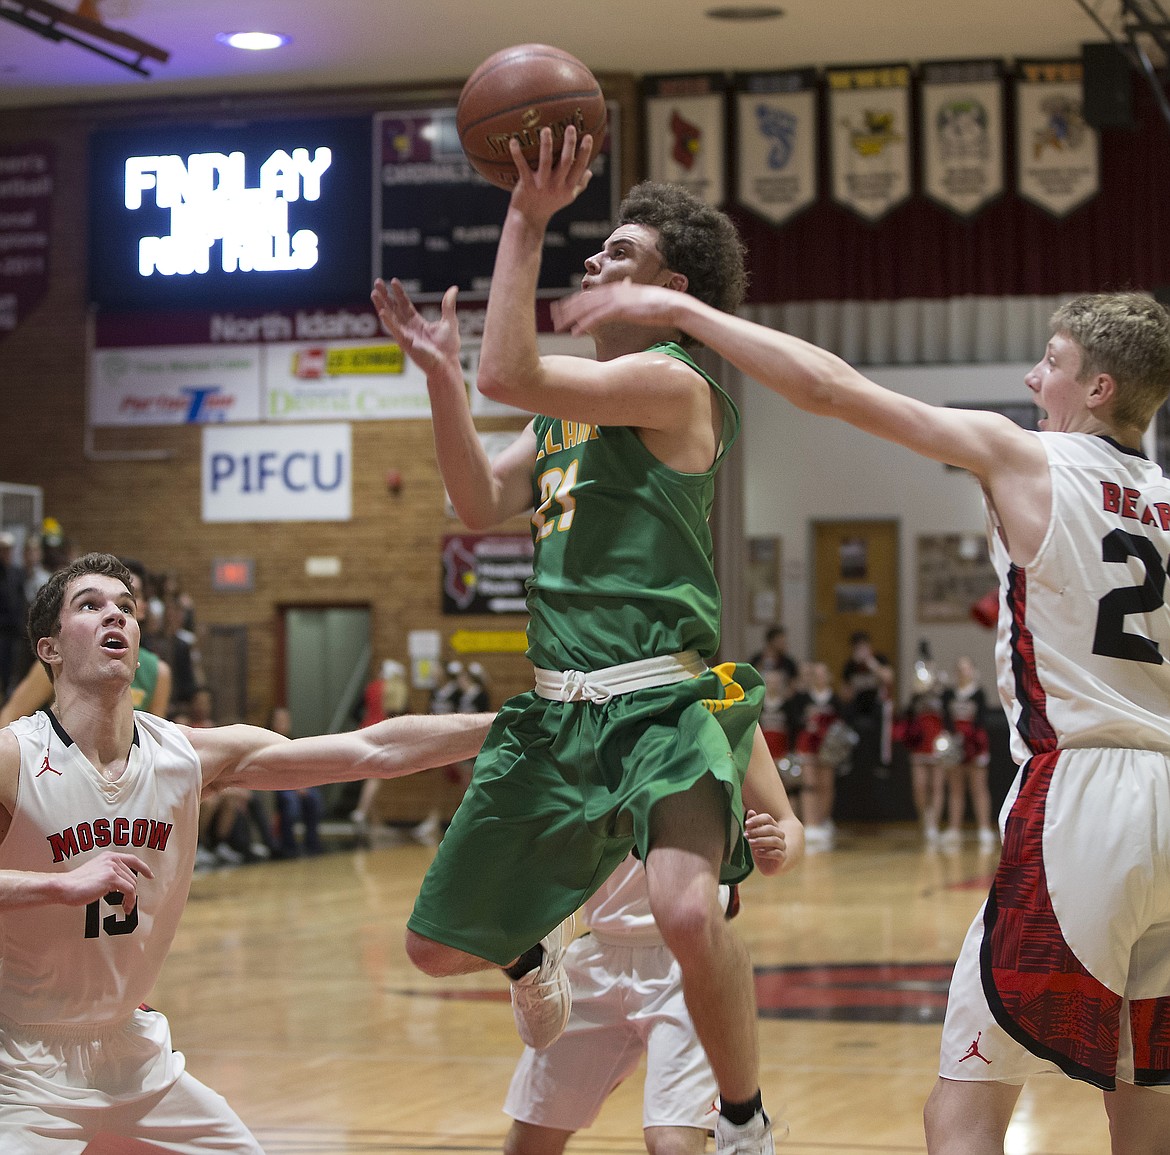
<point x="623" y="566"/>
<point x="1084" y="628"/>
<point x="93" y="965"/>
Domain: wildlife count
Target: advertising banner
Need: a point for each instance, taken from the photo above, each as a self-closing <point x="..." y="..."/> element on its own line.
<point x="174" y="385"/>
<point x="277" y="473"/>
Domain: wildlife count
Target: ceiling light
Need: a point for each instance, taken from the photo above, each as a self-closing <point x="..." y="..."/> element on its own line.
<point x="745" y="12"/>
<point x="254" y="41"/>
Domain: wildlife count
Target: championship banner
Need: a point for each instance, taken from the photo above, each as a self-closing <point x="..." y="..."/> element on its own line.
<point x="1058" y="165"/>
<point x="26" y="203"/>
<point x="962" y="134"/>
<point x="685" y="119"/>
<point x="776" y="143"/>
<point x="869" y="128"/>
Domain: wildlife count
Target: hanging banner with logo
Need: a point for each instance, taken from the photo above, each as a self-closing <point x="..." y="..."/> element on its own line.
<point x="1056" y="150"/>
<point x="869" y="130"/>
<point x="26" y="202"/>
<point x="776" y="143"/>
<point x="962" y="134"/>
<point x="685" y="119"/>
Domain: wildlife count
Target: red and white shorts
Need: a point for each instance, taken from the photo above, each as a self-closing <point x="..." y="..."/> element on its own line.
<point x="1067" y="966"/>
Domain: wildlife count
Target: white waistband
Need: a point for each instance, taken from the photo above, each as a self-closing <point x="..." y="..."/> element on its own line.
<point x="601" y="685"/>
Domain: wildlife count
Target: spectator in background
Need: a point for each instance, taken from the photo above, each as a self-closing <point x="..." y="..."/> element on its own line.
<point x="965" y="712"/>
<point x="922" y="730"/>
<point x="820" y="708"/>
<point x="775" y="655"/>
<point x="386" y="696"/>
<point x="295" y="808"/>
<point x="464" y="693"/>
<point x="445" y="696"/>
<point x="867" y="681"/>
<point x="175" y="645"/>
<point x="36" y="572"/>
<point x="13" y="639"/>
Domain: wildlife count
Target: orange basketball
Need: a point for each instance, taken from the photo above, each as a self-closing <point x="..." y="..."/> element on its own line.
<point x="515" y="93"/>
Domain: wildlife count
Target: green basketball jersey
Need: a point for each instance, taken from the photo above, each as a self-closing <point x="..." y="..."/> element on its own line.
<point x="623" y="566"/>
<point x="145" y="680"/>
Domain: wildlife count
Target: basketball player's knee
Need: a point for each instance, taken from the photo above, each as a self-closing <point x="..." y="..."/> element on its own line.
<point x="428" y="956"/>
<point x="689" y="924"/>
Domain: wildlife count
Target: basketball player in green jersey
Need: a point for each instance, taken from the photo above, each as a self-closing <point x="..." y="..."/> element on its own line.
<point x="628" y="739"/>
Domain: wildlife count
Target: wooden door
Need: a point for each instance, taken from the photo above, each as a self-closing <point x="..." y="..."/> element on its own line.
<point x="855" y="587"/>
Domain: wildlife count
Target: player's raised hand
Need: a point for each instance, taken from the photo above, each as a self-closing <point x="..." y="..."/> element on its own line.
<point x="428" y="343"/>
<point x="557" y="180"/>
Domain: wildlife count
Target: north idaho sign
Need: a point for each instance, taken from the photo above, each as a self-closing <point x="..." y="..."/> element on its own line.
<point x="207" y="216"/>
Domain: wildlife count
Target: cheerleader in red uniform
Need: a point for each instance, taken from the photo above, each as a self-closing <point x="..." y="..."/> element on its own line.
<point x="923" y="732"/>
<point x="966" y="708"/>
<point x="819" y="709"/>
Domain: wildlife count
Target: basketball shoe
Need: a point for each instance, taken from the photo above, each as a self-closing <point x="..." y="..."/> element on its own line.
<point x="542" y="998"/>
<point x="755" y="1137"/>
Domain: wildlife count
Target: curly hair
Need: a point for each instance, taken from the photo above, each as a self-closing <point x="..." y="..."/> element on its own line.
<point x="694" y="239"/>
<point x="1126" y="335"/>
<point x="44" y="615"/>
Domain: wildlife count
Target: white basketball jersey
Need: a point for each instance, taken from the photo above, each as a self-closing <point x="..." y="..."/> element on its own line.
<point x="93" y="964"/>
<point x="1084" y="630"/>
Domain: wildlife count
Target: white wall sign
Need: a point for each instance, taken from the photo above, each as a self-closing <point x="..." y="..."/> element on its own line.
<point x="277" y="473"/>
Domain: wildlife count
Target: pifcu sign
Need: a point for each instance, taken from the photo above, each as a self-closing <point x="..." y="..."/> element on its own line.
<point x="277" y="473"/>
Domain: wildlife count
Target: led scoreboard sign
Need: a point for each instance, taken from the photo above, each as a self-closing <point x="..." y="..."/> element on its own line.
<point x="205" y="216"/>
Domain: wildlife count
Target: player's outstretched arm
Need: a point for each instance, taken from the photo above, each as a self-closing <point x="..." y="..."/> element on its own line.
<point x="774" y="833"/>
<point x="814" y="379"/>
<point x="258" y="759"/>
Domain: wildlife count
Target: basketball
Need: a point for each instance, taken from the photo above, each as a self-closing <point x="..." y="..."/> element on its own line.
<point x="515" y="93"/>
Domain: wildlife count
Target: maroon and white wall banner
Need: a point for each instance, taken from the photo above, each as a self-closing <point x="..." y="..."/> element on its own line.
<point x="685" y="118"/>
<point x="962" y="134"/>
<point x="776" y="143"/>
<point x="26" y="203"/>
<point x="1056" y="150"/>
<point x="869" y="132"/>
